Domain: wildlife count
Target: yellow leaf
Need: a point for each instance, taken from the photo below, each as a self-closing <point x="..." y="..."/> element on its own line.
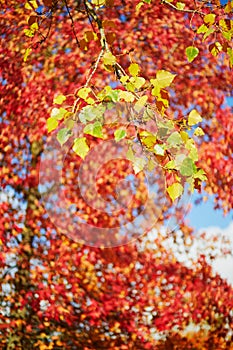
<point x="31" y="5"/>
<point x="126" y="96"/>
<point x="210" y="18"/>
<point x="109" y="59"/>
<point x="184" y="135"/>
<point x="164" y="78"/>
<point x="194" y="118"/>
<point x="98" y="3"/>
<point x="124" y="79"/>
<point x="175" y="191"/>
<point x="134" y="69"/>
<point x="229" y="7"/>
<point x="59" y="99"/>
<point x="83" y="93"/>
<point x="138" y="82"/>
<point x="140" y="103"/>
<point x="199" y="132"/>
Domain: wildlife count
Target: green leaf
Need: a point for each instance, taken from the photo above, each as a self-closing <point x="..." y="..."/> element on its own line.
<point x="59" y="99"/>
<point x="187" y="167"/>
<point x="170" y="165"/>
<point x="191" y="53"/>
<point x="164" y="78"/>
<point x="126" y="96"/>
<point x="130" y="154"/>
<point x="193" y="154"/>
<point x="134" y="69"/>
<point x="200" y="174"/>
<point x="180" y="5"/>
<point x="89" y="113"/>
<point x="194" y="118"/>
<point x="58" y="113"/>
<point x="63" y="135"/>
<point x="209" y="32"/>
<point x="94" y="129"/>
<point x="80" y="147"/>
<point x="69" y="123"/>
<point x="175" y="190"/>
<point x="119" y="134"/>
<point x="230" y="54"/>
<point x="138" y="164"/>
<point x="174" y="139"/>
<point x="52" y="124"/>
<point x="140" y="103"/>
<point x="159" y="150"/>
<point x="202" y="29"/>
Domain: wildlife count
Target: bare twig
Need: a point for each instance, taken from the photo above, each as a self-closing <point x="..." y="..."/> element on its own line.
<point x="72" y="22"/>
<point x="182" y="10"/>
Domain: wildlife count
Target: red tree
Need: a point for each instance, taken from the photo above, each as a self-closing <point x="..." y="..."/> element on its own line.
<point x="118" y="71"/>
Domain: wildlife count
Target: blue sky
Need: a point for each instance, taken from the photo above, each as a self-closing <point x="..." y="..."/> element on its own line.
<point x="203" y="215"/>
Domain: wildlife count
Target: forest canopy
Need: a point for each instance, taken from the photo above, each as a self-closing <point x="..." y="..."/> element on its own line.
<point x="113" y="113"/>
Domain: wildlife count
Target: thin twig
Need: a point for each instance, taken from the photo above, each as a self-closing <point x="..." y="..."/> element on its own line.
<point x="182" y="10"/>
<point x="72" y="22"/>
<point x="92" y="72"/>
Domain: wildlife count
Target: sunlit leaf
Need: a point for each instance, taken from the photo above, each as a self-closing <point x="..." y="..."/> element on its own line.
<point x="210" y="18"/>
<point x="180" y="5"/>
<point x="159" y="150"/>
<point x="84" y="92"/>
<point x="202" y="29"/>
<point x="187" y="167"/>
<point x="174" y="139"/>
<point x="109" y="59"/>
<point x="137" y="82"/>
<point x="138" y="164"/>
<point x="31" y="5"/>
<point x="164" y="78"/>
<point x="140" y="103"/>
<point x="52" y="124"/>
<point x="63" y="135"/>
<point x="58" y="113"/>
<point x="80" y="147"/>
<point x="175" y="191"/>
<point x="59" y="99"/>
<point x="199" y="132"/>
<point x="126" y="96"/>
<point x="194" y="117"/>
<point x="134" y="69"/>
<point x="94" y="129"/>
<point x="119" y="134"/>
<point x="200" y="174"/>
<point x="193" y="154"/>
<point x="191" y="53"/>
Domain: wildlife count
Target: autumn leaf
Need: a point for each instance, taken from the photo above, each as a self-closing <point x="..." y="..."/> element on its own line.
<point x="191" y="53"/>
<point x="194" y="117"/>
<point x="80" y="147"/>
<point x="175" y="191"/>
